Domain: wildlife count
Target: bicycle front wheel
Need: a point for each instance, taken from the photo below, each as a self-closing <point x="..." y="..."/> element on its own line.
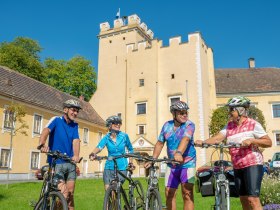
<point x="153" y="200"/>
<point x="223" y="198"/>
<point x="139" y="196"/>
<point x="111" y="201"/>
<point x="54" y="201"/>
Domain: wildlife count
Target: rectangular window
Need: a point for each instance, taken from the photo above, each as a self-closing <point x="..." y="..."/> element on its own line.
<point x="173" y="99"/>
<point x="141" y="82"/>
<point x="8" y="118"/>
<point x="100" y="135"/>
<point x="5" y="153"/>
<point x="276" y="110"/>
<point x="34" y="160"/>
<point x="277" y="138"/>
<point x="141" y="129"/>
<point x="37" y="127"/>
<point x="85" y="137"/>
<point x="141" y="108"/>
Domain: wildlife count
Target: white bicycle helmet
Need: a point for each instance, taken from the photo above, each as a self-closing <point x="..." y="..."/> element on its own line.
<point x="72" y="103"/>
<point x="239" y="101"/>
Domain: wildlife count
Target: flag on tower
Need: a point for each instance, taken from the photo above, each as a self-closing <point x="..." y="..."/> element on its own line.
<point x="118" y="15"/>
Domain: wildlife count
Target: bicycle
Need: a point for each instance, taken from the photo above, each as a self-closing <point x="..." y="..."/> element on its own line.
<point x="153" y="199"/>
<point x="222" y="188"/>
<point x="115" y="193"/>
<point x="50" y="197"/>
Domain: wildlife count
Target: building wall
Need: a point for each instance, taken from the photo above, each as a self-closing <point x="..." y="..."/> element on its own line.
<point x="22" y="145"/>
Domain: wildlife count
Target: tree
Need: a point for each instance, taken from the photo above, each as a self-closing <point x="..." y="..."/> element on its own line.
<point x="76" y="76"/>
<point x="16" y="114"/>
<point x="220" y="118"/>
<point x="22" y="55"/>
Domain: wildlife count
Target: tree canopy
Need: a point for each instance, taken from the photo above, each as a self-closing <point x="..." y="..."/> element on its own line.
<point x="76" y="76"/>
<point x="220" y="118"/>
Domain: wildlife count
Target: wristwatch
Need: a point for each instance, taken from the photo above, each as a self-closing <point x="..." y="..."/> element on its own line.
<point x="177" y="151"/>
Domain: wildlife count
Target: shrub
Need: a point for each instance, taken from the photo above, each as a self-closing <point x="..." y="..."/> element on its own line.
<point x="270" y="192"/>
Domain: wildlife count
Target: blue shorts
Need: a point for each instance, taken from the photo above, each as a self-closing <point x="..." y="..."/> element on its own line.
<point x="174" y="176"/>
<point x="108" y="176"/>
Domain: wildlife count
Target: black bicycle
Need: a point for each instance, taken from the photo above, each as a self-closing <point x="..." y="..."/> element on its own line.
<point x="153" y="199"/>
<point x="50" y="197"/>
<point x="115" y="196"/>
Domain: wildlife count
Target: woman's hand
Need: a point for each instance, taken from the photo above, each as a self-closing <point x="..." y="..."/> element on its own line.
<point x="92" y="156"/>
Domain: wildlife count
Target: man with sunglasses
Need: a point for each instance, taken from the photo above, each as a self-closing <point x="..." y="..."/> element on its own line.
<point x="63" y="136"/>
<point x="116" y="142"/>
<point x="178" y="134"/>
<point x="247" y="160"/>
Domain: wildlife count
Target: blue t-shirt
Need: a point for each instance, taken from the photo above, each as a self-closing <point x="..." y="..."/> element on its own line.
<point x="173" y="139"/>
<point x="62" y="135"/>
<point x="115" y="149"/>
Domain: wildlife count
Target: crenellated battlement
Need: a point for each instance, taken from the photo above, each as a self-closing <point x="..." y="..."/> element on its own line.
<point x="132" y="21"/>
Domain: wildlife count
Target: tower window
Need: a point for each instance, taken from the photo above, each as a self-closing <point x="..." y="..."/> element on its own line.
<point x="172" y="76"/>
<point x="141" y="82"/>
<point x="110" y="41"/>
<point x="123" y="38"/>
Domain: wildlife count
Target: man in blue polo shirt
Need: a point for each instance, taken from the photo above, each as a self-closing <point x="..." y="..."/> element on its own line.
<point x="63" y="136"/>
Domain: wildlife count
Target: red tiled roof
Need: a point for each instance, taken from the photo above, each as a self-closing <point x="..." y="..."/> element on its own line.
<point x="253" y="80"/>
<point x="18" y="86"/>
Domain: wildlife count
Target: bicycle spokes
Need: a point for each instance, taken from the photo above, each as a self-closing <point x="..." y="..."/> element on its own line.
<point x="113" y="201"/>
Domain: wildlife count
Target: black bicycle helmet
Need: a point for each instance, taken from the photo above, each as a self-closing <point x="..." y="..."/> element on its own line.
<point x="239" y="101"/>
<point x="179" y="106"/>
<point x="113" y="120"/>
<point x="71" y="103"/>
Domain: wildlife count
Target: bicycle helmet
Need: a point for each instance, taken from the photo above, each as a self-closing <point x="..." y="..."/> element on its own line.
<point x="72" y="103"/>
<point x="113" y="120"/>
<point x="179" y="106"/>
<point x="238" y="101"/>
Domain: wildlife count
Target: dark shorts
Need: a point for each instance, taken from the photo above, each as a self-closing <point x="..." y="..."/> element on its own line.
<point x="65" y="172"/>
<point x="108" y="176"/>
<point x="248" y="180"/>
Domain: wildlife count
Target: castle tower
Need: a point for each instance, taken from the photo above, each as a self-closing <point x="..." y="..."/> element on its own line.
<point x="139" y="78"/>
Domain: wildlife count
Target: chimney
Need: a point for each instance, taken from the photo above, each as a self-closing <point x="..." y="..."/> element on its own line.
<point x="251" y="62"/>
<point x="82" y="98"/>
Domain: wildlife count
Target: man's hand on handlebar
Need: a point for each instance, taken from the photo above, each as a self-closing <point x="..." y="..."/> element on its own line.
<point x="43" y="148"/>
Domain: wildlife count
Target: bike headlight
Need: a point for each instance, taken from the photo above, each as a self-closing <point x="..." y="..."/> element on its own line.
<point x="221" y="177"/>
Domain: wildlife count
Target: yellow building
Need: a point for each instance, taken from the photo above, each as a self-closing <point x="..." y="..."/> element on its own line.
<point x="40" y="102"/>
<point x="138" y="79"/>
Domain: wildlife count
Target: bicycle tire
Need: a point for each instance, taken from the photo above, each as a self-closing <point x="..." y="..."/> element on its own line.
<point x="153" y="200"/>
<point x="139" y="195"/>
<point x="223" y="198"/>
<point x="111" y="199"/>
<point x="54" y="199"/>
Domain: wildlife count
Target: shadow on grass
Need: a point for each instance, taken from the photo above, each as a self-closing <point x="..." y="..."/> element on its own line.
<point x="2" y="197"/>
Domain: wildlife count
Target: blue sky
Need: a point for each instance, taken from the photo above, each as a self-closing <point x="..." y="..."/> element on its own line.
<point x="235" y="29"/>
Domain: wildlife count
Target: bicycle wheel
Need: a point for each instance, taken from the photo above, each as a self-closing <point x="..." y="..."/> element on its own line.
<point x="223" y="198"/>
<point x="55" y="201"/>
<point x="111" y="199"/>
<point x="153" y="200"/>
<point x="139" y="196"/>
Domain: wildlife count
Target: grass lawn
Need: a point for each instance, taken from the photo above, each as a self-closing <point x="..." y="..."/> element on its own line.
<point x="89" y="195"/>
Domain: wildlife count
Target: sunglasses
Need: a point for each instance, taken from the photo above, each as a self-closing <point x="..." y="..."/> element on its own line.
<point x="231" y="109"/>
<point x="116" y="123"/>
<point x="74" y="110"/>
<point x="182" y="113"/>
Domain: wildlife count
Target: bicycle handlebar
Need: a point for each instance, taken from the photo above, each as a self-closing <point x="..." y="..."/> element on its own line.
<point x="232" y="145"/>
<point x="58" y="155"/>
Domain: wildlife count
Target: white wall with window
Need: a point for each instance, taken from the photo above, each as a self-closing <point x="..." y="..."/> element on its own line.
<point x="34" y="160"/>
<point x="100" y="135"/>
<point x="276" y="110"/>
<point x="4" y="161"/>
<point x="85" y="136"/>
<point x="141" y="82"/>
<point x="37" y="125"/>
<point x="141" y="129"/>
<point x="141" y="108"/>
